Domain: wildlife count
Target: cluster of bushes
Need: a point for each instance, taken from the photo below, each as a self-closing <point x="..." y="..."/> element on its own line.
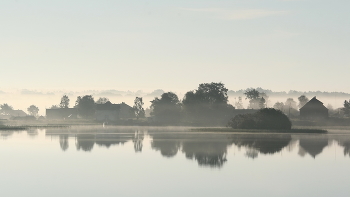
<point x="267" y="118"/>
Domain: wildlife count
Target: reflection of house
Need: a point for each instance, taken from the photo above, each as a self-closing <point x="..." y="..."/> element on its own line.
<point x="113" y="112"/>
<point x="62" y="113"/>
<point x="314" y="109"/>
<point x="313" y="146"/>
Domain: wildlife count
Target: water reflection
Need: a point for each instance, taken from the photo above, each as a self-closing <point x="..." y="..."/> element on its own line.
<point x="85" y="142"/>
<point x="138" y="141"/>
<point x="207" y="149"/>
<point x="85" y="139"/>
<point x="64" y="144"/>
<point x="167" y="143"/>
<point x="206" y="152"/>
<point x="262" y="143"/>
<point x="32" y="132"/>
<point x="312" y="145"/>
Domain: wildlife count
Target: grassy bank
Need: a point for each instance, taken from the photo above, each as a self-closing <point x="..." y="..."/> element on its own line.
<point x="259" y="130"/>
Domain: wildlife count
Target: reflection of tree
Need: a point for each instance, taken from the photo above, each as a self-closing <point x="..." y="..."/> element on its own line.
<point x="108" y="140"/>
<point x="138" y="139"/>
<point x="85" y="142"/>
<point x="252" y="153"/>
<point x="345" y="142"/>
<point x="346" y="148"/>
<point x="64" y="142"/>
<point x="301" y="152"/>
<point x="208" y="152"/>
<point x="32" y="132"/>
<point x="263" y="143"/>
<point x="167" y="143"/>
<point x="5" y="134"/>
<point x="313" y="146"/>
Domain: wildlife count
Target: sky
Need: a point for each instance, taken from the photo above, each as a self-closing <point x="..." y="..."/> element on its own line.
<point x="175" y="45"/>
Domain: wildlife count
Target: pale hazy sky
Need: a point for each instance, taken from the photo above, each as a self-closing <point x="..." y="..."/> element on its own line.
<point x="175" y="45"/>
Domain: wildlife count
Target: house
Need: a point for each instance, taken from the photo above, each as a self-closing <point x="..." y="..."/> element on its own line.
<point x="126" y="111"/>
<point x="107" y="112"/>
<point x="13" y="113"/>
<point x="19" y="113"/>
<point x="62" y="113"/>
<point x="113" y="112"/>
<point x="314" y="109"/>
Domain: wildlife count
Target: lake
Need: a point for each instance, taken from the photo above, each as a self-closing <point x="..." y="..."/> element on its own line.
<point x="171" y="161"/>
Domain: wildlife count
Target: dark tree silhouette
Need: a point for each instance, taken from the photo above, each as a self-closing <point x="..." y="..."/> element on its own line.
<point x="252" y="94"/>
<point x="267" y="118"/>
<point x="346" y="107"/>
<point x="167" y="109"/>
<point x="254" y="97"/>
<point x="33" y="110"/>
<point x="207" y="104"/>
<point x="64" y="102"/>
<point x="138" y="108"/>
<point x="86" y="106"/>
<point x="213" y="93"/>
<point x="262" y="102"/>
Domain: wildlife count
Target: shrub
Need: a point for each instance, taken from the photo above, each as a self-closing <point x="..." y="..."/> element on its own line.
<point x="267" y="118"/>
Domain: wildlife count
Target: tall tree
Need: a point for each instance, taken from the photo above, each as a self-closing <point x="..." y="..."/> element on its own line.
<point x="239" y="103"/>
<point x="279" y="106"/>
<point x="302" y="101"/>
<point x="254" y="97"/>
<point x="138" y="108"/>
<point x="346" y="108"/>
<point x="290" y="103"/>
<point x="102" y="100"/>
<point x="33" y="110"/>
<point x="86" y="106"/>
<point x="208" y="104"/>
<point x="212" y="93"/>
<point x="64" y="102"/>
<point x="262" y="103"/>
<point x="167" y="108"/>
<point x="252" y="94"/>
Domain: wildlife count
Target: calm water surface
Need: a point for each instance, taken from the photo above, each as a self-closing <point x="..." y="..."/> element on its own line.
<point x="141" y="161"/>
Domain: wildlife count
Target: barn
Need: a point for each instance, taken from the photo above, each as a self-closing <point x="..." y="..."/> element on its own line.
<point x="314" y="109"/>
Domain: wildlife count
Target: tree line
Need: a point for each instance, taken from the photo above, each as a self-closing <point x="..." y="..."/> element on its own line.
<point x="208" y="104"/>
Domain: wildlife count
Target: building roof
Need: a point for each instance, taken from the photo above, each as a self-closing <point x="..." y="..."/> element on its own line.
<point x="108" y="106"/>
<point x="313" y="103"/>
<point x="17" y="113"/>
